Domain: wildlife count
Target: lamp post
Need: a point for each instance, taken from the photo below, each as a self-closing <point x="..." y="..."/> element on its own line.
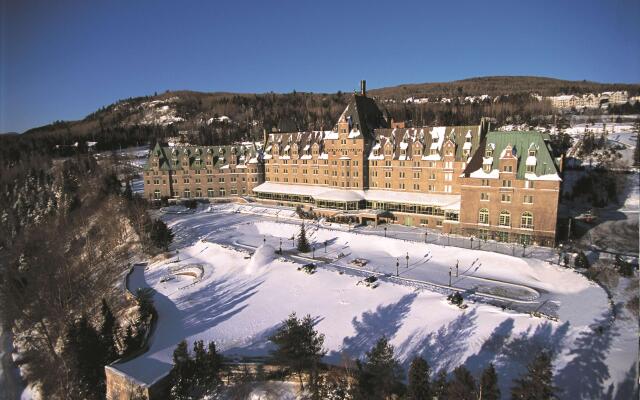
<point x="407" y="259"/>
<point x="449" y="276"/>
<point x="524" y="248"/>
<point x="559" y="252"/>
<point x="293" y="240"/>
<point x="385" y="231"/>
<point x="280" y="245"/>
<point x="471" y="242"/>
<point x="397" y="267"/>
<point x="425" y="236"/>
<point x="325" y="246"/>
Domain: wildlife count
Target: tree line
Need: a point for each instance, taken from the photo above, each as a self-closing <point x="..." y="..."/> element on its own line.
<point x="68" y="231"/>
<point x="378" y="375"/>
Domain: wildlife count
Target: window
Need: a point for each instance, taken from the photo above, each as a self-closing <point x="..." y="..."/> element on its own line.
<point x="210" y="193"/>
<point x="528" y="199"/>
<point x="416" y="186"/>
<point x="507" y="168"/>
<point x="485" y="182"/>
<point x="484" y="196"/>
<point x="222" y="192"/>
<point x="505" y="198"/>
<point x="486" y="168"/>
<point x="187" y="193"/>
<point x="448" y="176"/>
<point x="526" y="221"/>
<point x="156" y="194"/>
<point x="506" y="183"/>
<point x="483" y="216"/>
<point x="447" y="188"/>
<point x="505" y="218"/>
<point x="531" y="168"/>
<point x="528" y="184"/>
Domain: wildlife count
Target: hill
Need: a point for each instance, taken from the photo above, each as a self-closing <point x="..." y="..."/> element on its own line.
<point x="220" y="118"/>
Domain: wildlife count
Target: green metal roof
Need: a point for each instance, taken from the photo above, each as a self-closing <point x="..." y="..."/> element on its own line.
<point x="170" y="157"/>
<point x="521" y="142"/>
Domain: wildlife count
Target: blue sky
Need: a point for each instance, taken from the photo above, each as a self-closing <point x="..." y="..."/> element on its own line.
<point x="64" y="59"/>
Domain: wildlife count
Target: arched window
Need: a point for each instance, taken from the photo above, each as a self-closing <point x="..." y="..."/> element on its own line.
<point x="483" y="216"/>
<point x="505" y="218"/>
<point x="526" y="221"/>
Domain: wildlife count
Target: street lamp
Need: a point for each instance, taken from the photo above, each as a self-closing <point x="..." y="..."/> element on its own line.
<point x="457" y="263"/>
<point x="280" y="245"/>
<point x="449" y="276"/>
<point x="397" y="267"/>
<point x="471" y="242"/>
<point x="385" y="231"/>
<point x="407" y="259"/>
<point x="425" y="236"/>
<point x="559" y="252"/>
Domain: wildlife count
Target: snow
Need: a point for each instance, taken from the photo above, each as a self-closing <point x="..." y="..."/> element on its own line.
<point x="531" y="160"/>
<point x="354" y="134"/>
<point x="548" y="177"/>
<point x="239" y="310"/>
<point x="263" y="256"/>
<point x="324" y="193"/>
<point x="479" y="173"/>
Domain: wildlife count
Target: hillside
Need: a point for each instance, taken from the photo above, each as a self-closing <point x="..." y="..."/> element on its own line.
<point x="500" y="85"/>
<point x="219" y="118"/>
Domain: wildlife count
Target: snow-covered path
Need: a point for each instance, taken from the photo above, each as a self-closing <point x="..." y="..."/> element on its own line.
<point x="241" y="299"/>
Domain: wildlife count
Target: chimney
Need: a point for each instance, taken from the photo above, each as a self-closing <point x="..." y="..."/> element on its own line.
<point x="363" y="87"/>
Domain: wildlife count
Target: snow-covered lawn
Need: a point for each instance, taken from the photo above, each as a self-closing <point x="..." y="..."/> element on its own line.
<point x="242" y="297"/>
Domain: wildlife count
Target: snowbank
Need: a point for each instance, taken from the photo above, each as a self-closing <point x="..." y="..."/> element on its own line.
<point x="260" y="259"/>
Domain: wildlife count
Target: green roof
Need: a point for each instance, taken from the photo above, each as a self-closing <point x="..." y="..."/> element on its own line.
<point x="521" y="142"/>
<point x="170" y="156"/>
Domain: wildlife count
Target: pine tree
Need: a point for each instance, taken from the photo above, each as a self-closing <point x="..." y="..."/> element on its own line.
<point x="537" y="383"/>
<point x="636" y="151"/>
<point x="298" y="346"/>
<point x="419" y="387"/>
<point x="379" y="375"/>
<point x="108" y="334"/>
<point x="439" y="386"/>
<point x="181" y="373"/>
<point x="128" y="192"/>
<point x="83" y="352"/>
<point x="489" y="389"/>
<point x="581" y="261"/>
<point x="462" y="386"/>
<point x="160" y="234"/>
<point x="303" y="243"/>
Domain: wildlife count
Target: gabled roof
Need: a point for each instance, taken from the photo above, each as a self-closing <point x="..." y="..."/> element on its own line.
<point x="365" y="114"/>
<point x="520" y="142"/>
<point x="170" y="157"/>
<point x="429" y="135"/>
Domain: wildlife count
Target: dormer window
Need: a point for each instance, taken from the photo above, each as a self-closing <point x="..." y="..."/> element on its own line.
<point x="488" y="152"/>
<point x="434" y="152"/>
<point x="532" y="153"/>
<point x="486" y="168"/>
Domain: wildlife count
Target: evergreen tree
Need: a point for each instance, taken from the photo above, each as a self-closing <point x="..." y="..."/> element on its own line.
<point x="128" y="192"/>
<point x="537" y="383"/>
<point x="379" y="375"/>
<point x="419" y="387"/>
<point x="462" y="386"/>
<point x="489" y="389"/>
<point x="160" y="234"/>
<point x="109" y="334"/>
<point x="84" y="355"/>
<point x="439" y="386"/>
<point x="181" y="373"/>
<point x="581" y="261"/>
<point x="298" y="346"/>
<point x="303" y="243"/>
